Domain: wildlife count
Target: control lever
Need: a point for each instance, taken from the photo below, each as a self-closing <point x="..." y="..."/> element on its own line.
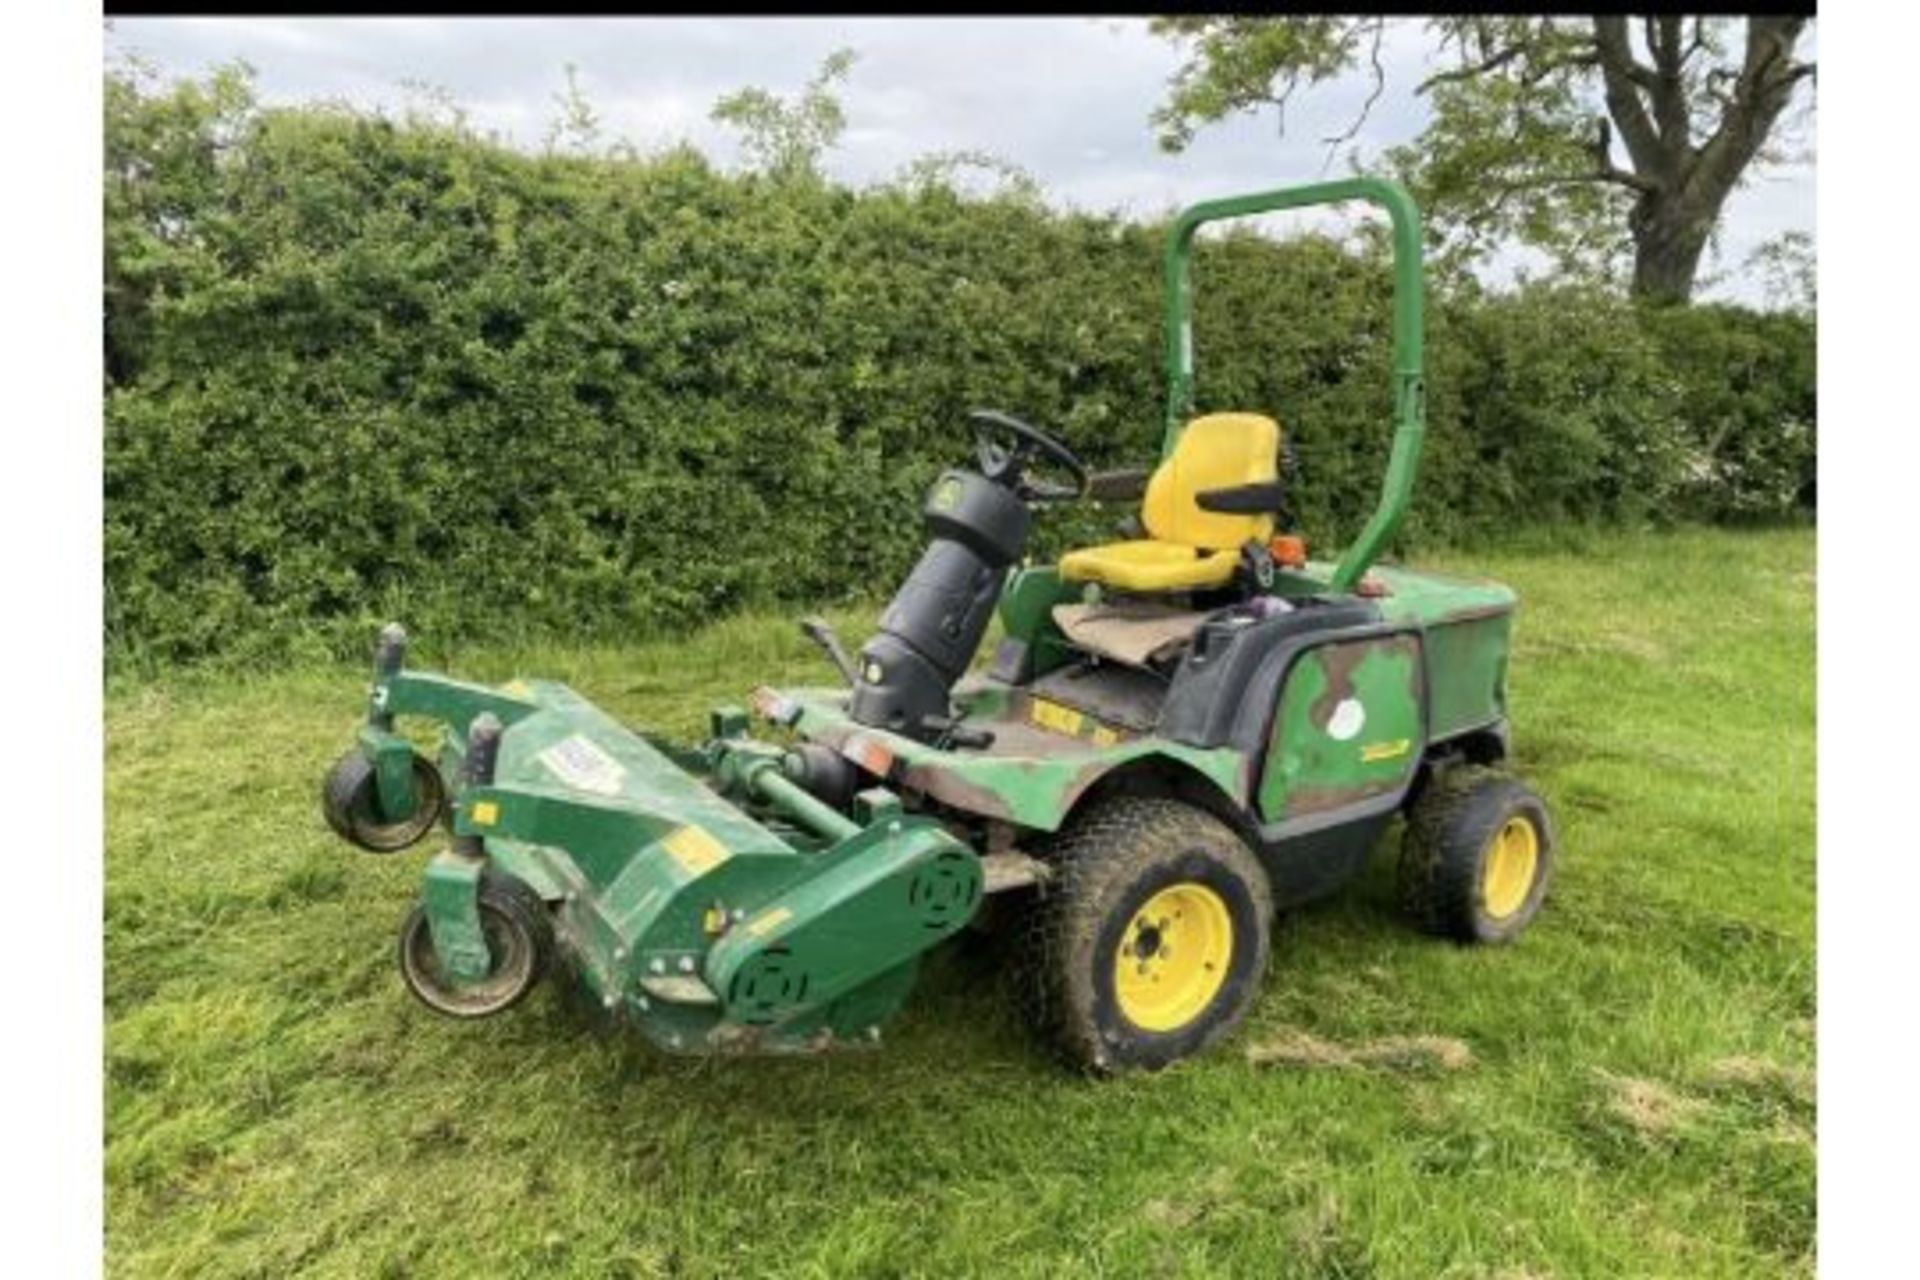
<point x="821" y="632"/>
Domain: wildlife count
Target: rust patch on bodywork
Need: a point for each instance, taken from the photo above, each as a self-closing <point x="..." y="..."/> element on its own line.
<point x="772" y="705"/>
<point x="1338" y="660"/>
<point x="870" y="754"/>
<point x="1348" y="726"/>
<point x="951" y="789"/>
<point x="1305" y="800"/>
<point x="1478" y="613"/>
<point x="1029" y="776"/>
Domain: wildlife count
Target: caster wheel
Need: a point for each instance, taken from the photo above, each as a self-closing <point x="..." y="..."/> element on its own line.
<point x="350" y="800"/>
<point x="519" y="937"/>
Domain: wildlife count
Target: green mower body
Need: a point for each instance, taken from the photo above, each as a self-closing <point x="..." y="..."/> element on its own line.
<point x="776" y="888"/>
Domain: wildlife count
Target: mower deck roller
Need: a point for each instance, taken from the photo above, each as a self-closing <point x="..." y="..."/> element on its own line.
<point x="1179" y="734"/>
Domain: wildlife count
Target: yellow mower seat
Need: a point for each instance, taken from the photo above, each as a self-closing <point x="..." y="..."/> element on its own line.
<point x="1188" y="548"/>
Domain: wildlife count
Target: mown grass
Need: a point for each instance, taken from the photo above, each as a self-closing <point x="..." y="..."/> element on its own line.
<point x="1638" y="1100"/>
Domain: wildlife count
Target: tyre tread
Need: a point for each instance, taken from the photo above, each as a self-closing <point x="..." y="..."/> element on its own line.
<point x="1104" y="847"/>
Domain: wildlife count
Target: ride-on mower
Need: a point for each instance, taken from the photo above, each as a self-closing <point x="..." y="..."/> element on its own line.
<point x="1179" y="734"/>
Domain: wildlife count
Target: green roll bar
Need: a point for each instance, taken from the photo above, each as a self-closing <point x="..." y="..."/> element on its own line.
<point x="1409" y="386"/>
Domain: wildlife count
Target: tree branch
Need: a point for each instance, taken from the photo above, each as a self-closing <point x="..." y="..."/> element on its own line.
<point x="1698" y="42"/>
<point x="1761" y="92"/>
<point x="1366" y="108"/>
<point x="1493" y="62"/>
<point x="1669" y="90"/>
<point x="1547" y="66"/>
<point x="1654" y="31"/>
<point x="1505" y="191"/>
<point x="1536" y="64"/>
<point x="1605" y="170"/>
<point x="1622" y="76"/>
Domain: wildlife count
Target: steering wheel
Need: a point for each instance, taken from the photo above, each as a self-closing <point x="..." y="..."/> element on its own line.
<point x="1007" y="448"/>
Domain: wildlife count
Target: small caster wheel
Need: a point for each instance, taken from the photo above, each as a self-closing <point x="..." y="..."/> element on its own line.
<point x="519" y="937"/>
<point x="351" y="802"/>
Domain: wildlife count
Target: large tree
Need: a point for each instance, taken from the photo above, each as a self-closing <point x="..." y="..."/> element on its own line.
<point x="1591" y="138"/>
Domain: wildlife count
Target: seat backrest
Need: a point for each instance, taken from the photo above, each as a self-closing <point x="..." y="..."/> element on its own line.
<point x="1218" y="451"/>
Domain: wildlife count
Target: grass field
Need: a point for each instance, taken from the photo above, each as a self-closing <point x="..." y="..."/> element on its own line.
<point x="1626" y="1092"/>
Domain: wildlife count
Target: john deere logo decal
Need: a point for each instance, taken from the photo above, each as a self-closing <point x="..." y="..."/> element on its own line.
<point x="1392" y="749"/>
<point x="946" y="494"/>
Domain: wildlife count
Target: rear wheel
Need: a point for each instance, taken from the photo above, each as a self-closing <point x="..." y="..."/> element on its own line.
<point x="1148" y="943"/>
<point x="1477" y="856"/>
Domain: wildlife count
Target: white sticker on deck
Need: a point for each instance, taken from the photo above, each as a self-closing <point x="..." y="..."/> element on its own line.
<point x="581" y="764"/>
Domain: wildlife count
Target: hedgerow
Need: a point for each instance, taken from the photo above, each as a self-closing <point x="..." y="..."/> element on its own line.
<point x="358" y="368"/>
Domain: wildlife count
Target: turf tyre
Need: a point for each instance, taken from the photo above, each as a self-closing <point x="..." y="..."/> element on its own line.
<point x="1450" y="834"/>
<point x="1111" y="860"/>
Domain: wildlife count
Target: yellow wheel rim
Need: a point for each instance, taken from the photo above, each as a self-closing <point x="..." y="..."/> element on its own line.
<point x="1173" y="957"/>
<point x="1506" y="874"/>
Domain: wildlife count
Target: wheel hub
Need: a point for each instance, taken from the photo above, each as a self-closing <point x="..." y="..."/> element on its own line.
<point x="1173" y="957"/>
<point x="1507" y="875"/>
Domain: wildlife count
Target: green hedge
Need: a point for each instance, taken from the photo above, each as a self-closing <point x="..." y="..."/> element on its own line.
<point x="358" y="370"/>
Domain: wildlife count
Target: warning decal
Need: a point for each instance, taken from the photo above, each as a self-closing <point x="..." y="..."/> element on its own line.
<point x="580" y="763"/>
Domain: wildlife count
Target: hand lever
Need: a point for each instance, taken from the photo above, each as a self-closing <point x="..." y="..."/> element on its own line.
<point x="821" y="633"/>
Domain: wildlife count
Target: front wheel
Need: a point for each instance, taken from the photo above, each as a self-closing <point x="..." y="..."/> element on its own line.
<point x="350" y="801"/>
<point x="519" y="935"/>
<point x="1149" y="942"/>
<point x="1477" y="856"/>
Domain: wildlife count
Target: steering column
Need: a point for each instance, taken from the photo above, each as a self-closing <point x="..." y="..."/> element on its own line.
<point x="977" y="524"/>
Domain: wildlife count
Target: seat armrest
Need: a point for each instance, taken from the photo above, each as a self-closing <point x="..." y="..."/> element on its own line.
<point x="1117" y="486"/>
<point x="1261" y="499"/>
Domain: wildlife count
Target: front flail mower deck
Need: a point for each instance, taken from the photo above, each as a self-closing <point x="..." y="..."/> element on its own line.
<point x="710" y="927"/>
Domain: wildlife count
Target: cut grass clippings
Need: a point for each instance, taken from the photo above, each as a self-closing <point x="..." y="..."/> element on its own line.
<point x="1638" y="1103"/>
<point x="1295" y="1048"/>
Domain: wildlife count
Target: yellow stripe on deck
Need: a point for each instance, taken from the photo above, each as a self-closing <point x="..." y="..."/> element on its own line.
<point x="695" y="849"/>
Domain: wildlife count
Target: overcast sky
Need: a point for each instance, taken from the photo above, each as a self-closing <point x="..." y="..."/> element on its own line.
<point x="1065" y="98"/>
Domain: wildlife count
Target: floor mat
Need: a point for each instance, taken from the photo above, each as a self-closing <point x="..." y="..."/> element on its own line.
<point x="1130" y="632"/>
